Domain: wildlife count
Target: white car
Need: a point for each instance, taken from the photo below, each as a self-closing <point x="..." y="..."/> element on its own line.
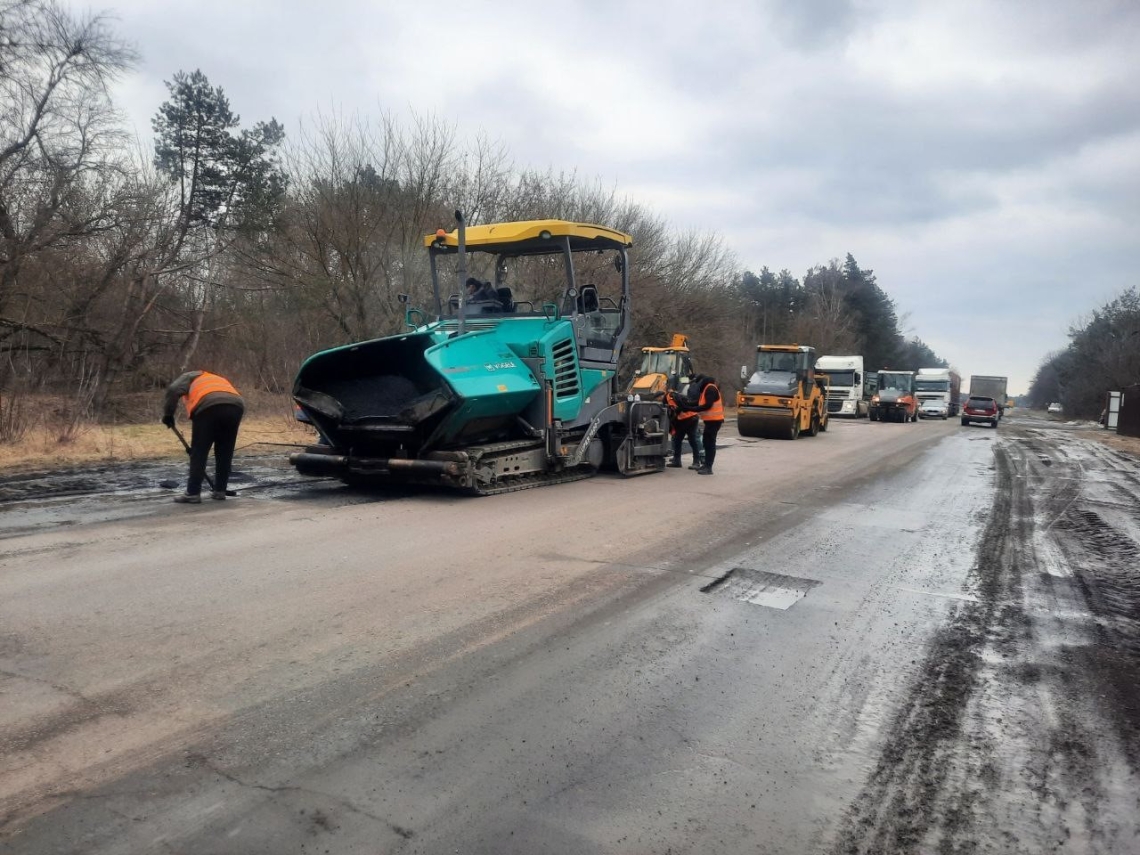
<point x="934" y="410"/>
<point x="1054" y="409"/>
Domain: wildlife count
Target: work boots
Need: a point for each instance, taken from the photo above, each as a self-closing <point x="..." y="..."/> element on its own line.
<point x="675" y="463"/>
<point x="188" y="499"/>
<point x="704" y="470"/>
<point x="219" y="495"/>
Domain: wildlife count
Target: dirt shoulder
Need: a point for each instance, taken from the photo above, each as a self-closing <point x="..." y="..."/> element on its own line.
<point x="42" y="447"/>
<point x="1127" y="444"/>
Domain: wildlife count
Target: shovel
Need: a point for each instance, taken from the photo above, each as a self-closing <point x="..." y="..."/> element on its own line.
<point x="186" y="445"/>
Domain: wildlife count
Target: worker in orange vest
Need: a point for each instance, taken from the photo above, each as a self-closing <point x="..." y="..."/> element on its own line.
<point x="215" y="409"/>
<point x="705" y="399"/>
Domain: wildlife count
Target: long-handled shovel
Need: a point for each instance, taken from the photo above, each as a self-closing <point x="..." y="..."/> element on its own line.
<point x="186" y="445"/>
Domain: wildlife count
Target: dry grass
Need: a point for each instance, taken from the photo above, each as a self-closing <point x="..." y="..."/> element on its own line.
<point x="40" y="446"/>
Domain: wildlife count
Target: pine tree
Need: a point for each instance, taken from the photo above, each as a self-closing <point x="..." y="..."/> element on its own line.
<point x="225" y="177"/>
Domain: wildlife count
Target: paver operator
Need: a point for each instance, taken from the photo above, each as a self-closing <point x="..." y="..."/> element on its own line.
<point x="215" y="409"/>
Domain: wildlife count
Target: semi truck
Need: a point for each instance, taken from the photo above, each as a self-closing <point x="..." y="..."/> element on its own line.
<point x="895" y="400"/>
<point x="845" y="385"/>
<point x="939" y="384"/>
<point x="991" y="386"/>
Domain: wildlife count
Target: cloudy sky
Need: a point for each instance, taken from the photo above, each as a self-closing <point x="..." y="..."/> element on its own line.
<point x="982" y="157"/>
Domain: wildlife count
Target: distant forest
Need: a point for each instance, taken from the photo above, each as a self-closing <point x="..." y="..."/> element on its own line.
<point x="231" y="247"/>
<point x="1103" y="356"/>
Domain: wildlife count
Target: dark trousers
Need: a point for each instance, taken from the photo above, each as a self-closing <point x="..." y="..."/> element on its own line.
<point x="215" y="426"/>
<point x="711" y="430"/>
<point x="686" y="429"/>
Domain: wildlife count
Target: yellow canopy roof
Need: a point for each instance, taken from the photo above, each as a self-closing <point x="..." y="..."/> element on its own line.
<point x="532" y="236"/>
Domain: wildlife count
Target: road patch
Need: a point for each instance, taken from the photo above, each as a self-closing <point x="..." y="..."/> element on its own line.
<point x="761" y="588"/>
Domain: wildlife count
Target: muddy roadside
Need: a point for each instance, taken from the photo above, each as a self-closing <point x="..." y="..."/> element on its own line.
<point x="1022" y="733"/>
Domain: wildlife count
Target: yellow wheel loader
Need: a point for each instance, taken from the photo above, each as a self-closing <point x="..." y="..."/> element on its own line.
<point x="663" y="369"/>
<point x="782" y="397"/>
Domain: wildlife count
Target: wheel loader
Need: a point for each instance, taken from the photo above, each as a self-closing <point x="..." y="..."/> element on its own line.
<point x="783" y="396"/>
<point x="663" y="369"/>
<point x="492" y="394"/>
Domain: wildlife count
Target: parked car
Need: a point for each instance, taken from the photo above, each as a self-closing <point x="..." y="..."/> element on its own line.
<point x="934" y="410"/>
<point x="979" y="409"/>
<point x="1054" y="409"/>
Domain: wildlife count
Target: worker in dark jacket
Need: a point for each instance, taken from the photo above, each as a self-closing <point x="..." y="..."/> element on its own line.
<point x="215" y="409"/>
<point x="683" y="426"/>
<point x="706" y="401"/>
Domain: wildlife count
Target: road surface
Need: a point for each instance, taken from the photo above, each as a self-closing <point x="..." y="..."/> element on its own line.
<point x="888" y="638"/>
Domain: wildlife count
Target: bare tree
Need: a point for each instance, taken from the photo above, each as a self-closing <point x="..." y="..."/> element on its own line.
<point x="58" y="128"/>
<point x="364" y="195"/>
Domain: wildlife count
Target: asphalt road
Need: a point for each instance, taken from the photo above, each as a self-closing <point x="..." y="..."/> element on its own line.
<point x="888" y="638"/>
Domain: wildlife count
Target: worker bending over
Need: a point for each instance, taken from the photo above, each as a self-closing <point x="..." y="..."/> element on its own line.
<point x="215" y="409"/>
<point x="706" y="401"/>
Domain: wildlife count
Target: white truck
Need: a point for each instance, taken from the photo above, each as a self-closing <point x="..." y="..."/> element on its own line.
<point x="991" y="386"/>
<point x="845" y="391"/>
<point x="938" y="384"/>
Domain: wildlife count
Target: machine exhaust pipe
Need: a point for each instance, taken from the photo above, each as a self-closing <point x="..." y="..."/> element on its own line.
<point x="462" y="270"/>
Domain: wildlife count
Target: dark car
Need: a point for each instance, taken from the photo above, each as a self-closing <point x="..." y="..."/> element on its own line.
<point x="980" y="409"/>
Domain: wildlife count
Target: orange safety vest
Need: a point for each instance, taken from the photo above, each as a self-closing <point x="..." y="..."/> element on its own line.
<point x="681" y="415"/>
<point x="716" y="412"/>
<point x="203" y="385"/>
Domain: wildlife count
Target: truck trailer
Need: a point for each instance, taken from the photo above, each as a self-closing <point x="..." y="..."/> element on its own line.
<point x="845" y="387"/>
<point x="991" y="386"/>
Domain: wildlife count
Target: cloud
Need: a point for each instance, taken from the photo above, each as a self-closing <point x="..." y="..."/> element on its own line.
<point x="811" y="24"/>
<point x="982" y="156"/>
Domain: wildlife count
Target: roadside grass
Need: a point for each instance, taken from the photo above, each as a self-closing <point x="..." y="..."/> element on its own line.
<point x="43" y="444"/>
<point x="44" y="441"/>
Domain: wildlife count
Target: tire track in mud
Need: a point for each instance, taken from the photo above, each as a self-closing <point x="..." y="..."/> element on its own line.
<point x="898" y="807"/>
<point x="1006" y="741"/>
<point x="1101" y="541"/>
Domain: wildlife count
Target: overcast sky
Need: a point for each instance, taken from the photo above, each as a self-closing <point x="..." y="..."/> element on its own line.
<point x="982" y="157"/>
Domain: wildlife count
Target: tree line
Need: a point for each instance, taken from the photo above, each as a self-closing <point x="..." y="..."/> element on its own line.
<point x="231" y="247"/>
<point x="1103" y="355"/>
